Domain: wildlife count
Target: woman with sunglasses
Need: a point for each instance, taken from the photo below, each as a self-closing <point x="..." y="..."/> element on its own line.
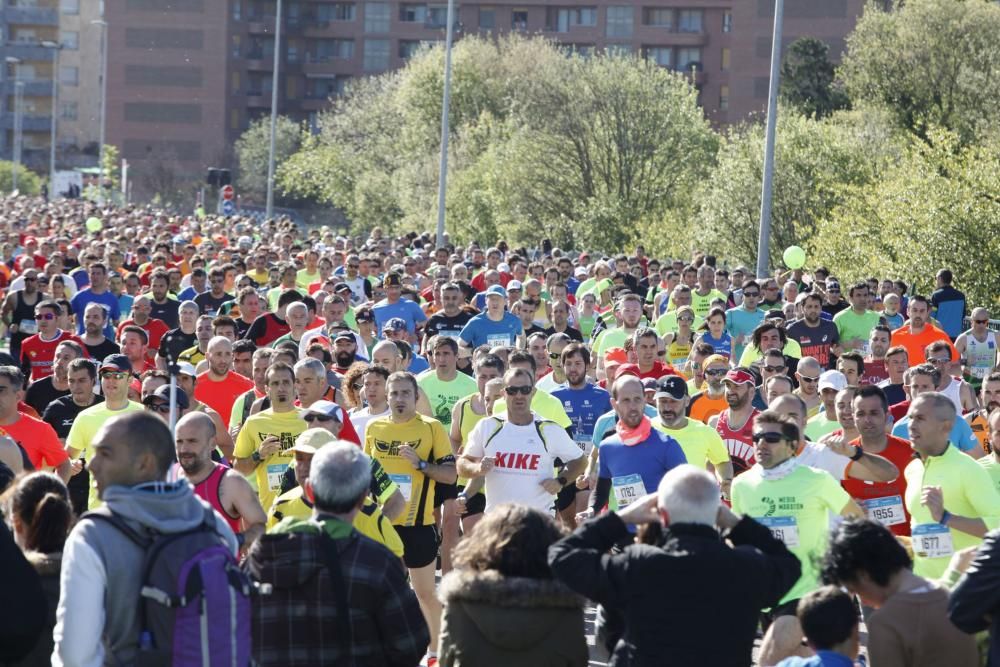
<point x="679" y="343"/>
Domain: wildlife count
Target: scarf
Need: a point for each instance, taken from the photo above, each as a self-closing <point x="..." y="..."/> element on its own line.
<point x="633" y="436"/>
<point x="779" y="471"/>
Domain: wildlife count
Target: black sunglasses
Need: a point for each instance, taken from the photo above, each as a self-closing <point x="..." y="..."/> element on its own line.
<point x="317" y="418"/>
<point x="524" y="391"/>
<point x="770" y="438"/>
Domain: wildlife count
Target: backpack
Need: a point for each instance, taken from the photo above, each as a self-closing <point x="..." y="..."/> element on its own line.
<point x="194" y="606"/>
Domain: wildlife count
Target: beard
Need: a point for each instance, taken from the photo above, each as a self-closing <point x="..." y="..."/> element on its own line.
<point x="344" y="359"/>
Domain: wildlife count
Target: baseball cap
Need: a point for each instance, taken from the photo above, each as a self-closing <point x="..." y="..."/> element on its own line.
<point x="327" y="409"/>
<point x="496" y="289"/>
<point x="116" y="362"/>
<point x="186" y="368"/>
<point x="394" y="324"/>
<point x="344" y="335"/>
<point x="364" y="315"/>
<point x="392" y="280"/>
<point x="739" y="376"/>
<point x="649" y="384"/>
<point x="832" y="380"/>
<point x="341" y="287"/>
<point x="832" y="284"/>
<point x="163" y="394"/>
<point x="580" y="272"/>
<point x="310" y="440"/>
<point x="514" y="284"/>
<point x="671" y="386"/>
<point x="616" y="354"/>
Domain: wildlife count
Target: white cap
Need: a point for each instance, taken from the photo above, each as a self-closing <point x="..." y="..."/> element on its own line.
<point x="186" y="368"/>
<point x="832" y="380"/>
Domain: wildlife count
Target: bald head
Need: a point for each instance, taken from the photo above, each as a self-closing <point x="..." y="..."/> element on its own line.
<point x="688" y="494"/>
<point x="790" y="405"/>
<point x="626" y="384"/>
<point x="218" y="343"/>
<point x="194" y="442"/>
<point x="197" y="421"/>
<point x="809" y="366"/>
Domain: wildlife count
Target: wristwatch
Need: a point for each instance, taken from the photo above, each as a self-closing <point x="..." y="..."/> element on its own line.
<point x="562" y="480"/>
<point x="858" y="453"/>
<point x="256" y="456"/>
<point x="422" y="466"/>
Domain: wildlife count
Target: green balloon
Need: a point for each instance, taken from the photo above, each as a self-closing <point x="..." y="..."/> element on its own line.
<point x="795" y="257"/>
<point x="94" y="225"/>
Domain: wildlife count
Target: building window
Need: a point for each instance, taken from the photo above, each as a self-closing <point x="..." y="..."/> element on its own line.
<point x="70" y="39"/>
<point x="562" y="19"/>
<point x="377" y="17"/>
<point x="687" y="57"/>
<point x="519" y="19"/>
<point x="234" y="82"/>
<point x="376" y="54"/>
<point x="689" y="20"/>
<point x="727" y="21"/>
<point x="723" y="98"/>
<point x="658" y="17"/>
<point x="236" y="46"/>
<point x="340" y="11"/>
<point x="661" y="55"/>
<point x="408" y="47"/>
<point x="618" y="49"/>
<point x="437" y="16"/>
<point x="70" y="6"/>
<point x="237" y="10"/>
<point x="619" y="22"/>
<point x="487" y="18"/>
<point x="67" y="110"/>
<point x="413" y="13"/>
<point x="725" y="60"/>
<point x="69" y="75"/>
<point x="330" y="49"/>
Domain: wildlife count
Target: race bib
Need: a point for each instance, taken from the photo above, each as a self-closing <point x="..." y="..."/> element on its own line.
<point x="27" y="327"/>
<point x="496" y="340"/>
<point x="932" y="540"/>
<point x="783" y="528"/>
<point x="405" y="484"/>
<point x="274" y="474"/>
<point x="628" y="489"/>
<point x="888" y="511"/>
<point x="980" y="372"/>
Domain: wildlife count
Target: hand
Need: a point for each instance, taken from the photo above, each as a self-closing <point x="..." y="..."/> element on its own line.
<point x="461" y="508"/>
<point x="933" y="498"/>
<point x="410" y="455"/>
<point x="726" y="519"/>
<point x="962" y="559"/>
<point x="641" y="511"/>
<point x="582" y="482"/>
<point x="76" y="467"/>
<point x="585" y="515"/>
<point x="727" y="488"/>
<point x="551" y="485"/>
<point x="12" y="328"/>
<point x="269" y="446"/>
<point x="486" y="465"/>
<point x="838" y="445"/>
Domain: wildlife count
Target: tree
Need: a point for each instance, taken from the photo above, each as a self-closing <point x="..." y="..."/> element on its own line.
<point x="253" y="151"/>
<point x="807" y="79"/>
<point x="162" y="178"/>
<point x="931" y="63"/>
<point x="28" y="182"/>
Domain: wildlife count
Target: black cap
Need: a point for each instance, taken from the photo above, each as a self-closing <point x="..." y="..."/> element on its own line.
<point x="163" y="394"/>
<point x="671" y="386"/>
<point x="392" y="280"/>
<point x="116" y="362"/>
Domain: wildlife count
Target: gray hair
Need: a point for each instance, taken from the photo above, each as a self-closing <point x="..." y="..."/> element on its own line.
<point x="313" y="364"/>
<point x="296" y="305"/>
<point x="689" y="495"/>
<point x="944" y="408"/>
<point x="340" y="474"/>
<point x="189" y="305"/>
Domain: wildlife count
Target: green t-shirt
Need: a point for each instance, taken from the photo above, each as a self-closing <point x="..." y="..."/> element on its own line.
<point x="85" y="427"/>
<point x="703" y="304"/>
<point x="850" y="325"/>
<point x="819" y="426"/>
<point x="992" y="467"/>
<point x="796" y="508"/>
<point x="443" y="395"/>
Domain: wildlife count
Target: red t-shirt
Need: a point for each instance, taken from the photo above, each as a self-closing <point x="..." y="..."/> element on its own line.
<point x="39" y="441"/>
<point x="38" y="354"/>
<point x="154" y="328"/>
<point x="899" y="410"/>
<point x="220" y="396"/>
<point x="659" y="370"/>
<point x="900" y="453"/>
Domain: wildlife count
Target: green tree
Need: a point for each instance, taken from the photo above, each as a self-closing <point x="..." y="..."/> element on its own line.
<point x="253" y="150"/>
<point x="931" y="63"/>
<point x="807" y="79"/>
<point x="28" y="182"/>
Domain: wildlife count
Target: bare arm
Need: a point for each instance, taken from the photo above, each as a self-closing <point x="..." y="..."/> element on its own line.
<point x="223" y="439"/>
<point x="65" y="470"/>
<point x="470" y="467"/>
<point x="394" y="506"/>
<point x="455" y="433"/>
<point x="243" y="502"/>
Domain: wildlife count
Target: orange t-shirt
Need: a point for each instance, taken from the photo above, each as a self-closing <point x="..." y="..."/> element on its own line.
<point x="915" y="343"/>
<point x="38" y="439"/>
<point x="220" y="396"/>
<point x="703" y="407"/>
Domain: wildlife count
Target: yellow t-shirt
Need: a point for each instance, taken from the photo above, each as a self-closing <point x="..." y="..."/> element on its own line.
<point x="370" y="521"/>
<point x="702" y="444"/>
<point x="543" y="404"/>
<point x="384" y="437"/>
<point x="286" y="426"/>
<point x="85" y="427"/>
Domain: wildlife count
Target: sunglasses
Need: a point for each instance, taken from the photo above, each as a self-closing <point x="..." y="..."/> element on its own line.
<point x="661" y="353"/>
<point x="354" y="266"/>
<point x="31" y="280"/>
<point x="162" y="408"/>
<point x="357" y="386"/>
<point x="317" y="418"/>
<point x="939" y="360"/>
<point x="115" y="375"/>
<point x="769" y="438"/>
<point x="806" y="378"/>
<point x="685" y="319"/>
<point x="833" y="291"/>
<point x="716" y="372"/>
<point x="981" y="321"/>
<point x="553" y="357"/>
<point x="45" y="316"/>
<point x="524" y="391"/>
<point x="774" y="369"/>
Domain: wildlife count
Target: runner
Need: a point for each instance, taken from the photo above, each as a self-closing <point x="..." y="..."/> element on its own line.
<point x="711" y="400"/>
<point x="875" y="361"/>
<point x="989" y="398"/>
<point x="735" y="423"/>
<point x="977" y="349"/>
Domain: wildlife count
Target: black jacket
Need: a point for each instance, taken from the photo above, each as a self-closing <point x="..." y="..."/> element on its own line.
<point x="975" y="602"/>
<point x="692" y="601"/>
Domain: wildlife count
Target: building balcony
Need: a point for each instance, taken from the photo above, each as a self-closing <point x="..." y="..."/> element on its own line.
<point x="330" y="66"/>
<point x="260" y="61"/>
<point x="15" y="15"/>
<point x="28" y="51"/>
<point x="30" y="123"/>
<point x="33" y="88"/>
<point x="259" y="99"/>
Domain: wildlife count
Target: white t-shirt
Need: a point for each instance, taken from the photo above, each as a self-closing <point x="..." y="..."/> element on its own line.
<point x="523" y="457"/>
<point x="548" y="383"/>
<point x="360" y="419"/>
<point x="823" y="458"/>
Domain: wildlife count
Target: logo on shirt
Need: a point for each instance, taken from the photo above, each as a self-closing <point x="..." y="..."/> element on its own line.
<point x="286" y="439"/>
<point x="516" y="461"/>
<point x="392" y="448"/>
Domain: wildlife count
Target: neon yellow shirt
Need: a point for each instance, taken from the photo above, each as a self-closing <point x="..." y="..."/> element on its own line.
<point x="703" y="304"/>
<point x="85" y="427"/>
<point x="286" y="426"/>
<point x="968" y="491"/>
<point x="751" y="353"/>
<point x="992" y="467"/>
<point x="543" y="404"/>
<point x="819" y="426"/>
<point x="796" y="508"/>
<point x="443" y="395"/>
<point x="701" y="443"/>
<point x="667" y="323"/>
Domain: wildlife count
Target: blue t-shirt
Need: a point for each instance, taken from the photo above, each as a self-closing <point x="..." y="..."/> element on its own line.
<point x="893" y="321"/>
<point x="742" y="322"/>
<point x="418" y="364"/>
<point x="110" y="302"/>
<point x="821" y="659"/>
<point x="481" y="330"/>
<point x="571" y="285"/>
<point x="187" y="294"/>
<point x="80" y="277"/>
<point x="961" y="433"/>
<point x="125" y="302"/>
<point x="584" y="407"/>
<point x="949" y="309"/>
<point x="723" y="346"/>
<point x="404" y="309"/>
<point x="650" y="459"/>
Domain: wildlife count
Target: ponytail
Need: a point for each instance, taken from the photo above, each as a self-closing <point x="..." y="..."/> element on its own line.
<point x="41" y="504"/>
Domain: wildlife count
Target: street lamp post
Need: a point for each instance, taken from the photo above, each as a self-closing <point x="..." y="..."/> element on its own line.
<point x="269" y="208"/>
<point x="18" y="120"/>
<point x="56" y="48"/>
<point x="764" y="238"/>
<point x="445" y="104"/>
<point x="104" y="108"/>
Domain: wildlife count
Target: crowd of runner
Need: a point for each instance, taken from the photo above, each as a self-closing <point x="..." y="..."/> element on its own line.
<point x="232" y="442"/>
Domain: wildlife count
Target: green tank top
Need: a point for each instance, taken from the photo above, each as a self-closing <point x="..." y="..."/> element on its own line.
<point x="443" y="395"/>
<point x="468" y="419"/>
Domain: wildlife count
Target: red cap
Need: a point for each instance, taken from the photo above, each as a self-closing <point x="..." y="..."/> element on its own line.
<point x="617" y="355"/>
<point x="739" y="376"/>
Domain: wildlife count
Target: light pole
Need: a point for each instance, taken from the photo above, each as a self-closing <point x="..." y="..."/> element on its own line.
<point x="56" y="48"/>
<point x="269" y="208"/>
<point x="445" y="104"/>
<point x="764" y="238"/>
<point x="18" y="120"/>
<point x="104" y="108"/>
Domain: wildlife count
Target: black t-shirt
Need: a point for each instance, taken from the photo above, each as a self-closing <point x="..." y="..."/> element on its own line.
<point x="574" y="334"/>
<point x="894" y="393"/>
<point x="168" y="311"/>
<point x="176" y="341"/>
<point x="42" y="392"/>
<point x="209" y="304"/>
<point x="103" y="349"/>
<point x="816" y="341"/>
<point x="439" y="323"/>
<point x="242" y="327"/>
<point x="834" y="308"/>
<point x="62" y="411"/>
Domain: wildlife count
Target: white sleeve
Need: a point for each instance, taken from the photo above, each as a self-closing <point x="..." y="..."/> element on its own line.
<point x="475" y="446"/>
<point x="82" y="582"/>
<point x="560" y="444"/>
<point x="832" y="462"/>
